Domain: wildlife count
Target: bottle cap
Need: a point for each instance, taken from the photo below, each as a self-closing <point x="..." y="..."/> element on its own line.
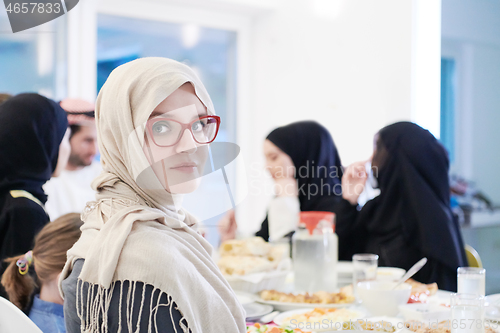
<point x="311" y="219"/>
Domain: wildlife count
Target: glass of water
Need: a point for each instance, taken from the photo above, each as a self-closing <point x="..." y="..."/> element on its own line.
<point x="467" y="313"/>
<point x="471" y="280"/>
<point x="364" y="269"/>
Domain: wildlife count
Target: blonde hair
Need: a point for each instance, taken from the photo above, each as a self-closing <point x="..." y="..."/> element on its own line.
<point x="49" y="257"/>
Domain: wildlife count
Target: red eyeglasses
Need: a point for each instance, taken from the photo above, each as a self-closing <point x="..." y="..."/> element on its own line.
<point x="167" y="132"/>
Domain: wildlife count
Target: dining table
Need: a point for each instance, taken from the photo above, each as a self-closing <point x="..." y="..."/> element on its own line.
<point x="257" y="308"/>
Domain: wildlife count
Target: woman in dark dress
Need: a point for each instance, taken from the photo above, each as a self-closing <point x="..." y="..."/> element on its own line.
<point x="306" y="169"/>
<point x="32" y="149"/>
<point x="411" y="218"/>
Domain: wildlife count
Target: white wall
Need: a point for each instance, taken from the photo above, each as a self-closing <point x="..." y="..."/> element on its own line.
<point x="471" y="35"/>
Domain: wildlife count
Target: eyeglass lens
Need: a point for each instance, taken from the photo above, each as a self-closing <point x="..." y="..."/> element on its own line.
<point x="166" y="132"/>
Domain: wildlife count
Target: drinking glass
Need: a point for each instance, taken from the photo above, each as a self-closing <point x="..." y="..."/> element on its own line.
<point x="471" y="280"/>
<point x="467" y="313"/>
<point x="364" y="269"/>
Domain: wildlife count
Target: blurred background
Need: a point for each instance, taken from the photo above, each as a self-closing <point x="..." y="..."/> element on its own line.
<point x="352" y="65"/>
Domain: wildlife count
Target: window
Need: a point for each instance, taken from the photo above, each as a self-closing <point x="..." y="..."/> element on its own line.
<point x="34" y="60"/>
<point x="448" y="85"/>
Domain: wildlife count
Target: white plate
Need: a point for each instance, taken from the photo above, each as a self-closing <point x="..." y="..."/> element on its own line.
<point x="256" y="310"/>
<point x="244" y="298"/>
<point x="280" y="319"/>
<point x="288" y="306"/>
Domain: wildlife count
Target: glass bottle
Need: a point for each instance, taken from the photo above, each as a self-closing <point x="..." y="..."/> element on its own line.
<point x="315" y="253"/>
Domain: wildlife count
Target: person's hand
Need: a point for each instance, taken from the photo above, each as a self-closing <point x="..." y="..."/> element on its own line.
<point x="286" y="187"/>
<point x="227" y="226"/>
<point x="353" y="182"/>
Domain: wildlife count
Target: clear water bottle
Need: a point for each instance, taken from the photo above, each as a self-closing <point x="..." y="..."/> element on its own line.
<point x="315" y="253"/>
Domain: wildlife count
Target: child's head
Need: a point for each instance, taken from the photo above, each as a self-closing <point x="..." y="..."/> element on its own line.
<point x="48" y="259"/>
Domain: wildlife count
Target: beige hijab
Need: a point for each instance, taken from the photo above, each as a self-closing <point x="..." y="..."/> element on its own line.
<point x="139" y="233"/>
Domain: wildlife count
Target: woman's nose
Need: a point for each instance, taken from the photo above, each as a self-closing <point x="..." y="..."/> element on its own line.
<point x="186" y="144"/>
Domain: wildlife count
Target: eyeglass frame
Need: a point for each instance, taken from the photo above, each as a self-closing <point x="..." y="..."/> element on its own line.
<point x="184" y="127"/>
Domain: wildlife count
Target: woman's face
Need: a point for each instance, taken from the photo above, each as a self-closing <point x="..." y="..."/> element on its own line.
<point x="64" y="152"/>
<point x="279" y="164"/>
<point x="379" y="152"/>
<point x="178" y="167"/>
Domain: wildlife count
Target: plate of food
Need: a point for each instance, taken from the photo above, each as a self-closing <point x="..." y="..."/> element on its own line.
<point x="320" y="319"/>
<point x="420" y="292"/>
<point x="287" y="301"/>
<point x="252" y="264"/>
<point x="382" y="324"/>
<point x="260" y="328"/>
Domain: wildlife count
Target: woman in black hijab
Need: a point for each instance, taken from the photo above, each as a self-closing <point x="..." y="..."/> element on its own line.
<point x="411" y="218"/>
<point x="305" y="166"/>
<point x="32" y="129"/>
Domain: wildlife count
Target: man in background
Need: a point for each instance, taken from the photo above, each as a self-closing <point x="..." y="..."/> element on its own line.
<point x="4" y="97"/>
<point x="71" y="191"/>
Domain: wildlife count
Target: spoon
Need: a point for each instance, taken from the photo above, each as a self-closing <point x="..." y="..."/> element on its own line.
<point x="412" y="271"/>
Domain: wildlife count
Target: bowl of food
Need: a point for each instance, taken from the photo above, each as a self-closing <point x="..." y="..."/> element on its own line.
<point x="380" y="297"/>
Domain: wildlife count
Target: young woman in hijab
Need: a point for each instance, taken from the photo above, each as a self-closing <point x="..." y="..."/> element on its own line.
<point x="305" y="166"/>
<point x="46" y="260"/>
<point x="141" y="265"/>
<point x="33" y="147"/>
<point x="411" y="218"/>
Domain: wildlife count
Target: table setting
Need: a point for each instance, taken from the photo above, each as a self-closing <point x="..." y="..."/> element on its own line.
<point x="281" y="296"/>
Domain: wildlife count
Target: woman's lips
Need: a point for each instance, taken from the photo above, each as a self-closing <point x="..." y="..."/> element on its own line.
<point x="188" y="168"/>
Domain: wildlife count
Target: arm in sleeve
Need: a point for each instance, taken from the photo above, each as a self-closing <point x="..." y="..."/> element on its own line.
<point x="348" y="229"/>
<point x="283" y="217"/>
<point x="264" y="229"/>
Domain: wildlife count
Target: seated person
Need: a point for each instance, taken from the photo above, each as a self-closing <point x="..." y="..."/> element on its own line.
<point x="305" y="166"/>
<point x="411" y="218"/>
<point x="141" y="265"/>
<point x="33" y="147"/>
<point x="46" y="260"/>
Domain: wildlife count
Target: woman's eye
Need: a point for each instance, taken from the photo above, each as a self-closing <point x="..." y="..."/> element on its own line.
<point x="160" y="128"/>
<point x="198" y="126"/>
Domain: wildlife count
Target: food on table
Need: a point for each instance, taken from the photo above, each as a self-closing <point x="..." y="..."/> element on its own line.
<point x="319" y="317"/>
<point x="347" y="290"/>
<point x="254" y="246"/>
<point x="247" y="256"/>
<point x="241" y="265"/>
<point x="258" y="328"/>
<point x="320" y="297"/>
<point x="420" y="291"/>
<point x="442" y="327"/>
<point x="377" y="326"/>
